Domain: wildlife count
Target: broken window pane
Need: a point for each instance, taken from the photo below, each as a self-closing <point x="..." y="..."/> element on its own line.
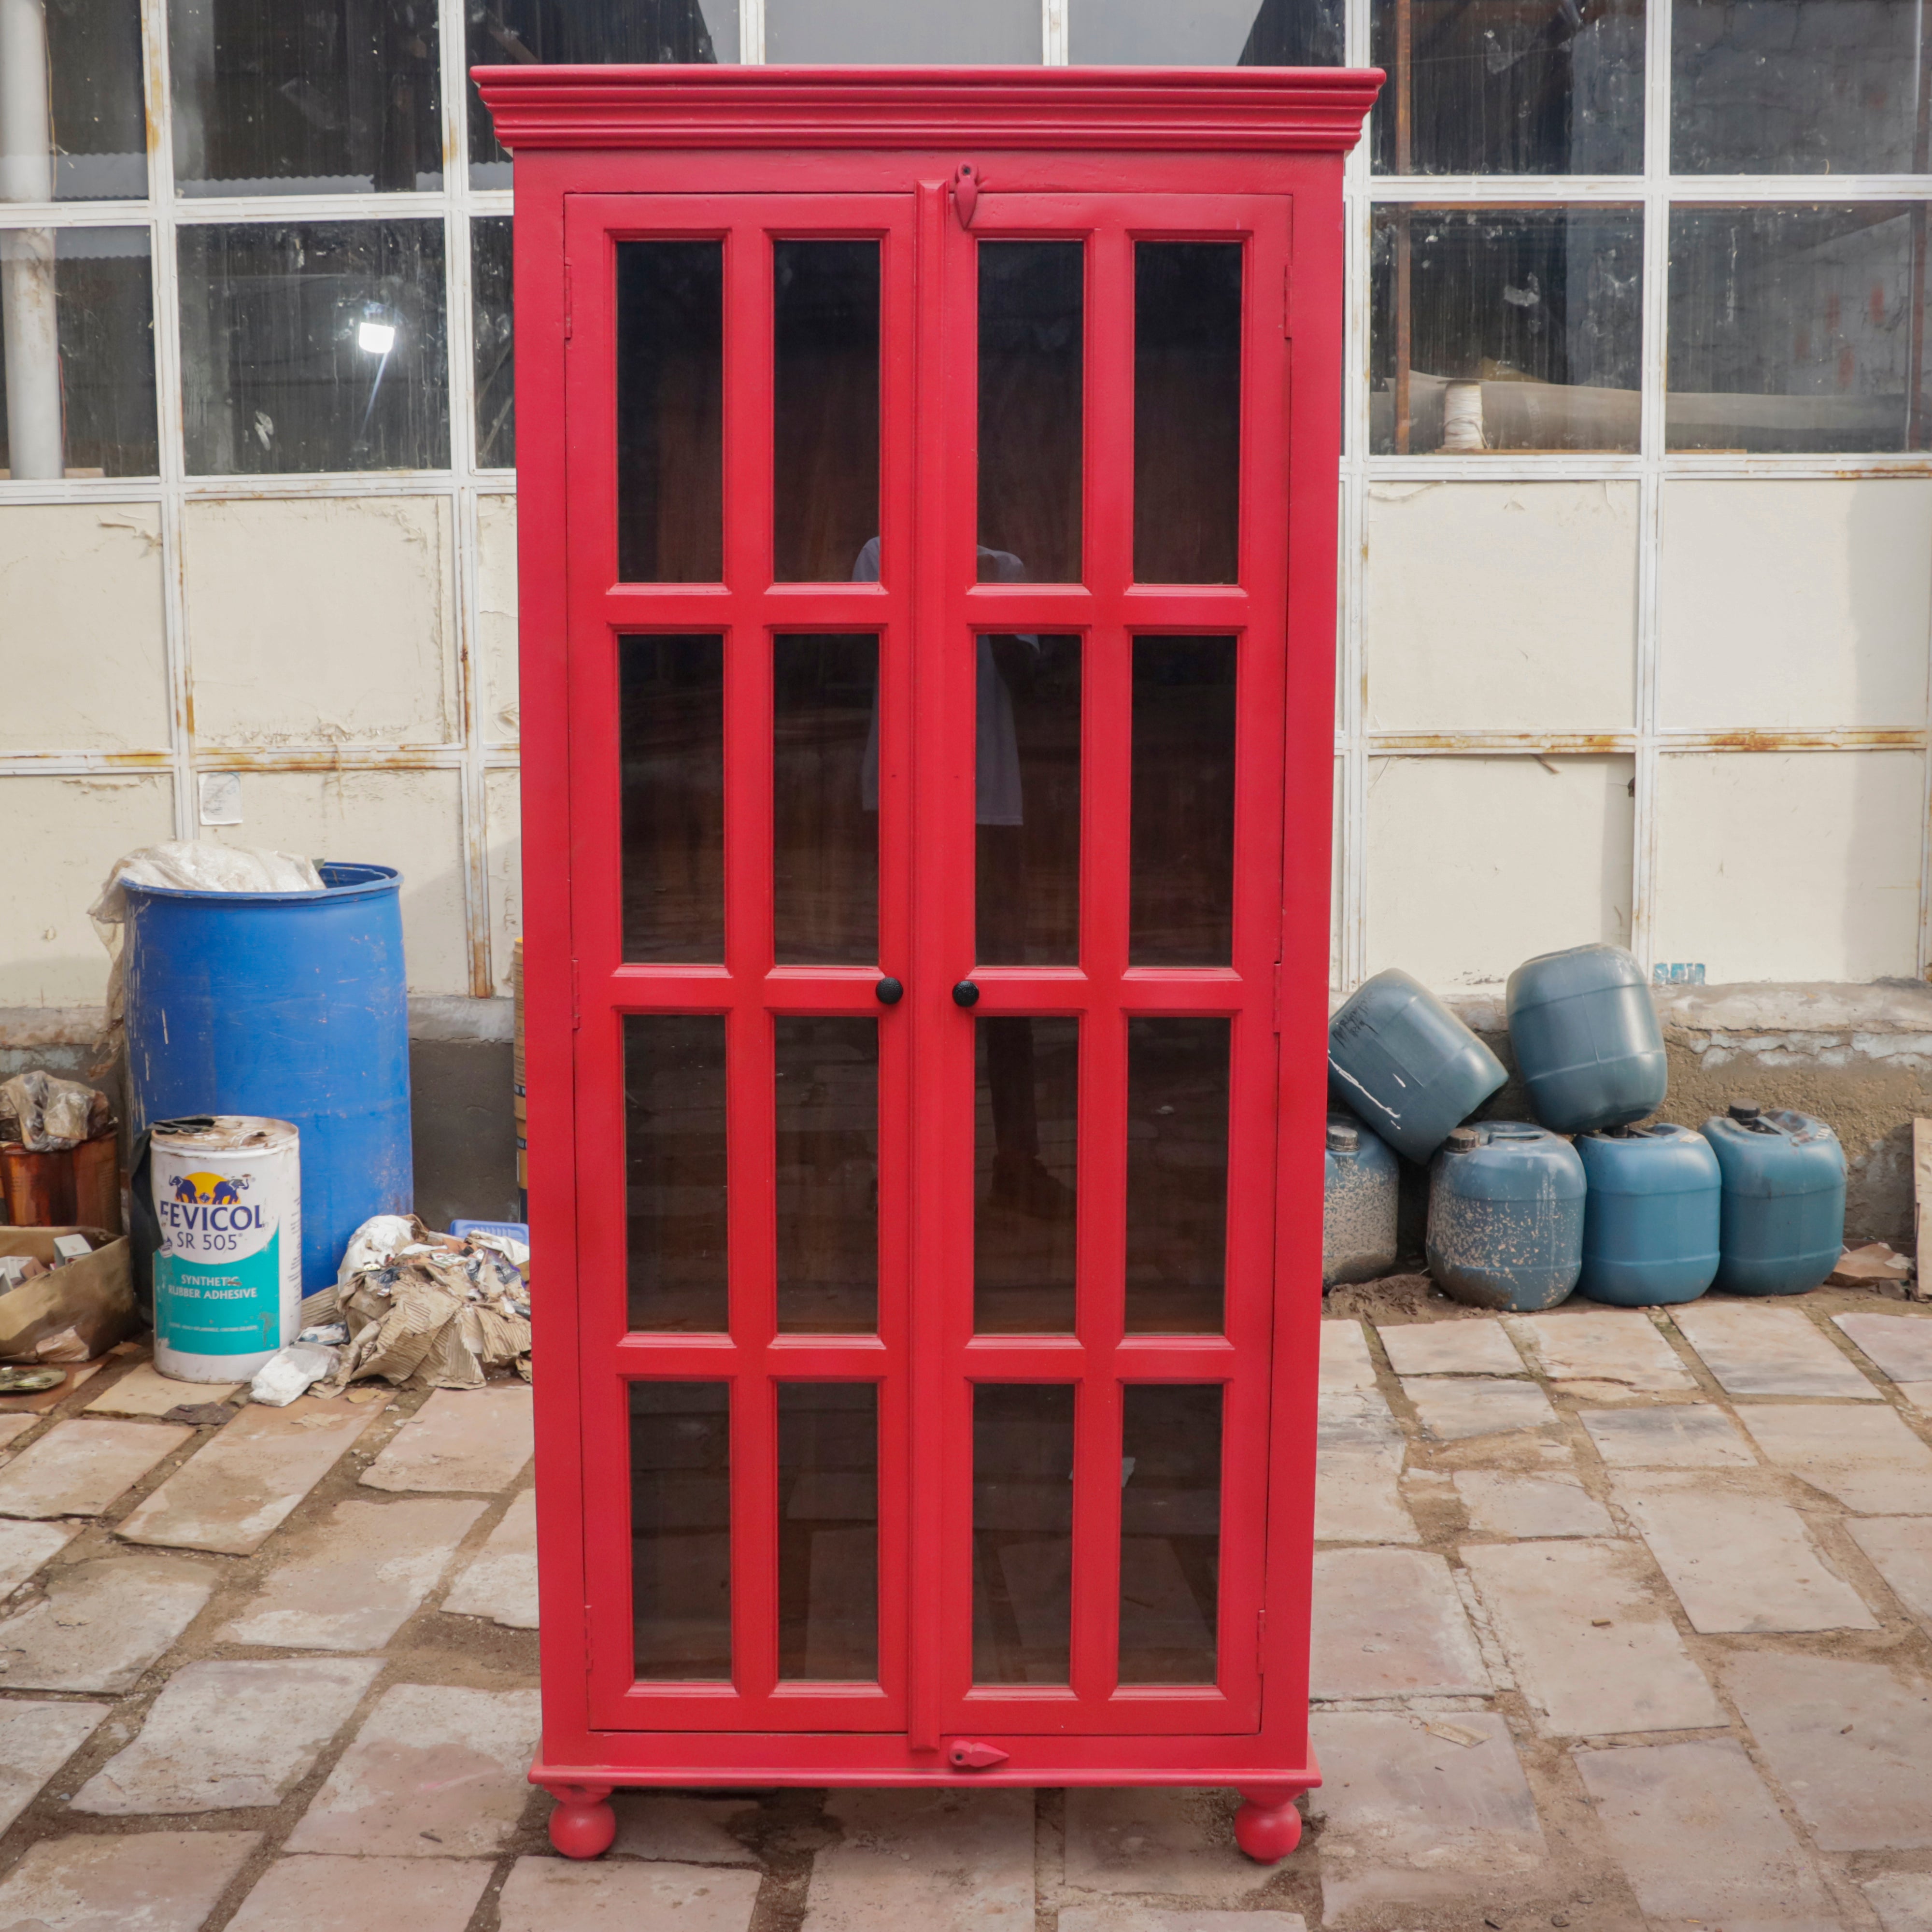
<point x="77" y="351"/>
<point x="1512" y="328"/>
<point x="74" y="128"/>
<point x="1793" y="328"/>
<point x="591" y="33"/>
<point x="1206" y="33"/>
<point x="1797" y="86"/>
<point x="1515" y="87"/>
<point x="304" y="96"/>
<point x="492" y="323"/>
<point x="319" y="346"/>
<point x="1002" y="32"/>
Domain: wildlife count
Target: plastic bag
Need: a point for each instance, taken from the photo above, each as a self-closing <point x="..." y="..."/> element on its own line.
<point x="48" y="1115"/>
<point x="288" y="1373"/>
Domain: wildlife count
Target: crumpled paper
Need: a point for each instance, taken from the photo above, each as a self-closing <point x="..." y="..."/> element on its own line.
<point x="46" y="1115"/>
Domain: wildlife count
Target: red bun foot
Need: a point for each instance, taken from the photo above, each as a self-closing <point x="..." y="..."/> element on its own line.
<point x="583" y="1825"/>
<point x="1268" y="1827"/>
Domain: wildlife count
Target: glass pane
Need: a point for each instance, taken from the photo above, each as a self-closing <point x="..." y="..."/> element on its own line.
<point x="672" y="726"/>
<point x="825" y="408"/>
<point x="829" y="1530"/>
<point x="1026" y="1100"/>
<point x="1028" y="787"/>
<point x="524" y="33"/>
<point x="828" y="1176"/>
<point x="674" y="1171"/>
<point x="1206" y="33"/>
<point x="74" y="126"/>
<point x="670" y="412"/>
<point x="1794" y="328"/>
<point x="1509" y="329"/>
<point x="1515" y="87"/>
<point x="858" y="32"/>
<point x="681" y="1530"/>
<point x="825" y="800"/>
<point x="1032" y="344"/>
<point x="1170" y="1531"/>
<point x="1022" y="1532"/>
<point x="77" y="353"/>
<point x="1182" y="882"/>
<point x="1187" y="412"/>
<point x="326" y="97"/>
<point x="1797" y="86"/>
<point x="1176" y="1175"/>
<point x="320" y="346"/>
<point x="494" y="330"/>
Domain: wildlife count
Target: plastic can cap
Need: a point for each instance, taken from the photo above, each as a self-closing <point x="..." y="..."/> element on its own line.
<point x="1744" y="1110"/>
<point x="1344" y="1139"/>
<point x="1462" y="1139"/>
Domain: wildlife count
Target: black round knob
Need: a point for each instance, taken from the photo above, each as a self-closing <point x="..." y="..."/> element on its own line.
<point x="965" y="993"/>
<point x="889" y="992"/>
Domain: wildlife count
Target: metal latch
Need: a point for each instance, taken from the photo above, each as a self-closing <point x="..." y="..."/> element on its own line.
<point x="970" y="1754"/>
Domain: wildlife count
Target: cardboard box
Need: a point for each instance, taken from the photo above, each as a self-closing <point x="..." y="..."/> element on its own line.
<point x="76" y="1312"/>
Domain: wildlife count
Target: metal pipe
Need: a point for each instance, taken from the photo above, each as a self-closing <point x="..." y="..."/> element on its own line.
<point x="28" y="323"/>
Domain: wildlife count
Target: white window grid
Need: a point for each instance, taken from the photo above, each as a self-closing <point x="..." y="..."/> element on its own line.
<point x="162" y="214"/>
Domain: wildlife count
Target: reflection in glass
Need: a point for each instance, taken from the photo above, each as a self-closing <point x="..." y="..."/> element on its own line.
<point x="671" y="727"/>
<point x="1187" y="412"/>
<point x="1506" y="329"/>
<point x="320" y="346"/>
<point x="1004" y="33"/>
<point x="825" y="407"/>
<point x="494" y="341"/>
<point x="80" y="133"/>
<point x="825" y="800"/>
<point x="1516" y="87"/>
<point x="1209" y="33"/>
<point x="1798" y="86"/>
<point x="828" y="1175"/>
<point x="1032" y="343"/>
<point x="324" y="97"/>
<point x="1181" y="890"/>
<point x="1028" y="801"/>
<point x="1022" y="1532"/>
<point x="1794" y="328"/>
<point x="674" y="1172"/>
<point x="1026" y="1097"/>
<point x="77" y="354"/>
<point x="681" y="1530"/>
<point x="670" y="412"/>
<point x="829" y="1530"/>
<point x="1176" y="1175"/>
<point x="1170" y="1531"/>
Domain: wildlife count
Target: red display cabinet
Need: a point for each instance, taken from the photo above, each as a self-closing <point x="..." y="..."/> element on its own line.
<point x="927" y="503"/>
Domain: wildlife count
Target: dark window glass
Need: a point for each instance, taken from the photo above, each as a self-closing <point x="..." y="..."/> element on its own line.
<point x="670" y="412"/>
<point x="828" y="1175"/>
<point x="1176" y="1175"/>
<point x="1026" y="1101"/>
<point x="1170" y="1531"/>
<point x="829" y="1530"/>
<point x="1509" y="329"/>
<point x="672" y="745"/>
<point x="305" y="96"/>
<point x="493" y="311"/>
<point x="681" y="1530"/>
<point x="317" y="346"/>
<point x="1028" y="802"/>
<point x="674" y="1171"/>
<point x="85" y="136"/>
<point x="1205" y="33"/>
<point x="1001" y="33"/>
<point x="1022" y="1532"/>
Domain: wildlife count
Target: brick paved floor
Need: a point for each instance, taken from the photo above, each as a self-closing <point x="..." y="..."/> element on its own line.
<point x="1622" y="1621"/>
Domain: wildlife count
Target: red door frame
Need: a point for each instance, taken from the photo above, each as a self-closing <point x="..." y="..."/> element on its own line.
<point x="1246" y="132"/>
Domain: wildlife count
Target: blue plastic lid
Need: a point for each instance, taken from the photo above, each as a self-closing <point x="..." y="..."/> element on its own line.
<point x="512" y="1231"/>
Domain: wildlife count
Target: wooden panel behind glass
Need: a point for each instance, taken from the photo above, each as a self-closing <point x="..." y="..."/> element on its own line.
<point x="829" y="1530"/>
<point x="1177" y="1093"/>
<point x="1025" y="1153"/>
<point x="1170" y="1531"/>
<point x="827" y="1096"/>
<point x="674" y="1171"/>
<point x="681" y="1529"/>
<point x="1022" y="1532"/>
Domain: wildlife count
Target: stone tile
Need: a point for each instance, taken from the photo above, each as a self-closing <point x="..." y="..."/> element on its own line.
<point x="1701" y="1841"/>
<point x="1505" y="1503"/>
<point x="1345" y="1361"/>
<point x="459" y="1439"/>
<point x="25" y="1547"/>
<point x="35" y="1740"/>
<point x="1388" y="1623"/>
<point x="1672" y="1436"/>
<point x="557" y="1895"/>
<point x="156" y="1881"/>
<point x="1901" y="1549"/>
<point x="1594" y="1651"/>
<point x="1738" y="1561"/>
<point x="1901" y="1345"/>
<point x="1475" y="1348"/>
<point x="1358" y="1458"/>
<point x="241" y="1487"/>
<point x="1455" y="1407"/>
<point x="320" y="1895"/>
<point x="1868" y="1458"/>
<point x="943" y="1860"/>
<point x="1850" y="1742"/>
<point x="1753" y="1350"/>
<point x="679" y="1831"/>
<point x="1413" y="1819"/>
<point x="434" y="1772"/>
<point x="1156" y="1838"/>
<point x="351" y="1581"/>
<point x="1919" y="1394"/>
<point x="1620" y="1347"/>
<point x="1117" y="1914"/>
<point x="13" y="1427"/>
<point x="78" y="1468"/>
<point x="222" y="1737"/>
<point x="145" y="1390"/>
<point x="101" y="1623"/>
<point x="501" y="1580"/>
<point x="1902" y="1900"/>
